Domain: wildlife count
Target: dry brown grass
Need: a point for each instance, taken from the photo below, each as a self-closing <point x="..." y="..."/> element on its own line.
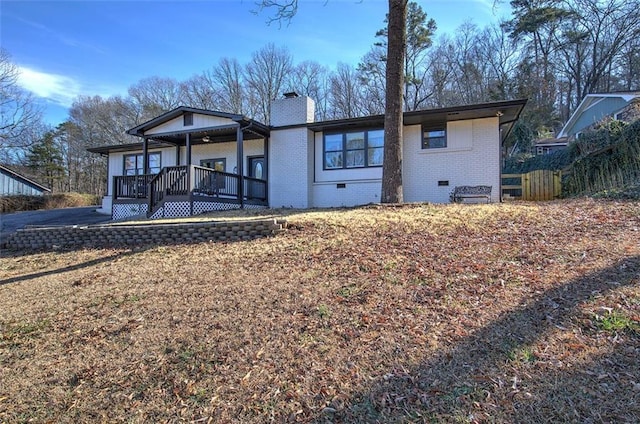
<point x="500" y="313"/>
<point x="9" y="204"/>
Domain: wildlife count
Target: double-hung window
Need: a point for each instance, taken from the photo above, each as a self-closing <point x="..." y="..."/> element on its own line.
<point x="357" y="149"/>
<point x="133" y="164"/>
<point x="434" y="138"/>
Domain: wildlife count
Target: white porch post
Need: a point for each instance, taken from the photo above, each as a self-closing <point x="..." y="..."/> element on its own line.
<point x="188" y="149"/>
<point x="240" y="161"/>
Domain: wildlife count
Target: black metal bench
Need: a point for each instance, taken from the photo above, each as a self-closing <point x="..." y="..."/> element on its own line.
<point x="470" y="192"/>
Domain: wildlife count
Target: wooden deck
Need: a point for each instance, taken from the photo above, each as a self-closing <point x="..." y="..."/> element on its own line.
<point x="182" y="187"/>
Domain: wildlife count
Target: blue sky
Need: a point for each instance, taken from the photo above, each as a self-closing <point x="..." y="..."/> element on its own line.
<point x="71" y="48"/>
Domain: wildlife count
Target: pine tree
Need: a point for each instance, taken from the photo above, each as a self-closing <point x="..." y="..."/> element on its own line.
<point x="46" y="162"/>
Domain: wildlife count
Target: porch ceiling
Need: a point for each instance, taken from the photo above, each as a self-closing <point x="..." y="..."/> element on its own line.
<point x="215" y="135"/>
<point x="251" y="129"/>
<point x="179" y="138"/>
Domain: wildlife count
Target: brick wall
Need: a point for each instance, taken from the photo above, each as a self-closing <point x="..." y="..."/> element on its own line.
<point x="292" y="111"/>
<point x="290" y="168"/>
<point x="127" y="235"/>
<point x="349" y="193"/>
<point x="472" y="157"/>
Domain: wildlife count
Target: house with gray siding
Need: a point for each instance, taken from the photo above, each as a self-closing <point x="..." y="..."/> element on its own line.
<point x="191" y="161"/>
<point x="13" y="183"/>
<point x="596" y="107"/>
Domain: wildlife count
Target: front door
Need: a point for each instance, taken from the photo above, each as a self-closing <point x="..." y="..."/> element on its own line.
<point x="257" y="190"/>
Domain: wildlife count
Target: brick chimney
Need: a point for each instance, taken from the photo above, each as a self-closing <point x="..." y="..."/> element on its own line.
<point x="292" y="110"/>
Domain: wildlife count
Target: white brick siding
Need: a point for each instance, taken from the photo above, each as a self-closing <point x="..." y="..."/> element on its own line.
<point x="472" y="157"/>
<point x="290" y="168"/>
<point x="292" y="111"/>
<point x="349" y="193"/>
<point x="361" y="185"/>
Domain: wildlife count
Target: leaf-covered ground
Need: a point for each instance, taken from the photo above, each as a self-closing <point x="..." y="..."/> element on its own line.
<point x="516" y="312"/>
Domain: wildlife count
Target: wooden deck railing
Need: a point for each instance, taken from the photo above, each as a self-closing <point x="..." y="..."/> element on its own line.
<point x="170" y="181"/>
<point x="255" y="188"/>
<point x="192" y="180"/>
<point x="210" y="182"/>
<point x="131" y="186"/>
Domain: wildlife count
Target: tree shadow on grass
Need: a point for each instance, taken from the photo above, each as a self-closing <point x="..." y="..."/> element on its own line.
<point x="474" y="381"/>
<point x="75" y="267"/>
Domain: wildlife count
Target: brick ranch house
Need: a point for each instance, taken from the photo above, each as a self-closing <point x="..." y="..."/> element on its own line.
<point x="192" y="161"/>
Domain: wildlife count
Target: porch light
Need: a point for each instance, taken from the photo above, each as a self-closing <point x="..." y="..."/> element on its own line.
<point x="206" y="139"/>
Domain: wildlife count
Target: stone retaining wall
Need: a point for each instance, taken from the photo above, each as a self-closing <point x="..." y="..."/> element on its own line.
<point x="141" y="234"/>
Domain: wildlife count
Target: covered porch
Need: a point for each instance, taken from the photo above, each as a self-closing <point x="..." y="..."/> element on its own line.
<point x="180" y="167"/>
<point x="187" y="190"/>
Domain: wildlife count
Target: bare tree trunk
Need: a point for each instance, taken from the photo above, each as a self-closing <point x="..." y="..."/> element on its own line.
<point x="396" y="47"/>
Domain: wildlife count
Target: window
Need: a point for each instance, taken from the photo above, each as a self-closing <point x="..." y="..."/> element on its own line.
<point x="333" y="151"/>
<point x="187" y="119"/>
<point x="358" y="149"/>
<point x="214" y="181"/>
<point x="219" y="164"/>
<point x="434" y="139"/>
<point x="375" y="147"/>
<point x="133" y="164"/>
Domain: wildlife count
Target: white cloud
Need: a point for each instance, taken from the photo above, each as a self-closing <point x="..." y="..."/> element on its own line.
<point x="56" y="88"/>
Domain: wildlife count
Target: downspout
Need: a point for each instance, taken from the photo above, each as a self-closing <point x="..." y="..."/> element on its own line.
<point x="265" y="148"/>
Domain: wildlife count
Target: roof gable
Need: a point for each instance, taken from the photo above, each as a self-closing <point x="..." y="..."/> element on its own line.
<point x="200" y="120"/>
<point x="24" y="180"/>
<point x="594" y="107"/>
<point x="166" y="121"/>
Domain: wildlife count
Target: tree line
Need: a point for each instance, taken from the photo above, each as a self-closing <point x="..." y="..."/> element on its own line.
<point x="552" y="52"/>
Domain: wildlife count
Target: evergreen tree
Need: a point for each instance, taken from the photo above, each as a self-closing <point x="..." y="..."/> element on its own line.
<point x="46" y="162"/>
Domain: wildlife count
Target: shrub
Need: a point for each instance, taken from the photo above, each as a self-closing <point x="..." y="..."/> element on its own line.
<point x="19" y="203"/>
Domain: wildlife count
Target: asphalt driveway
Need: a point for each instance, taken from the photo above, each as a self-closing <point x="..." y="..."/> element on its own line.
<point x="11" y="222"/>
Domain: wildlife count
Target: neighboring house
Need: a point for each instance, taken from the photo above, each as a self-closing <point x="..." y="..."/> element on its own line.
<point x="12" y="184"/>
<point x="200" y="160"/>
<point x="596" y="107"/>
<point x="547" y="146"/>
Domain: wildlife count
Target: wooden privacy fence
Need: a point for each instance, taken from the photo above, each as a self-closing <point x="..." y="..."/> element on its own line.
<point x="541" y="184"/>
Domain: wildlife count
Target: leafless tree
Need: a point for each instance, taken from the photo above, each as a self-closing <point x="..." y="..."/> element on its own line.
<point x="20" y="116"/>
<point x="372" y="78"/>
<point x="199" y="91"/>
<point x="309" y="78"/>
<point x="229" y="79"/>
<point x="629" y="65"/>
<point x="266" y="76"/>
<point x="345" y="97"/>
<point x="156" y="95"/>
<point x="597" y="34"/>
<point x="94" y="121"/>
<point x="500" y="55"/>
